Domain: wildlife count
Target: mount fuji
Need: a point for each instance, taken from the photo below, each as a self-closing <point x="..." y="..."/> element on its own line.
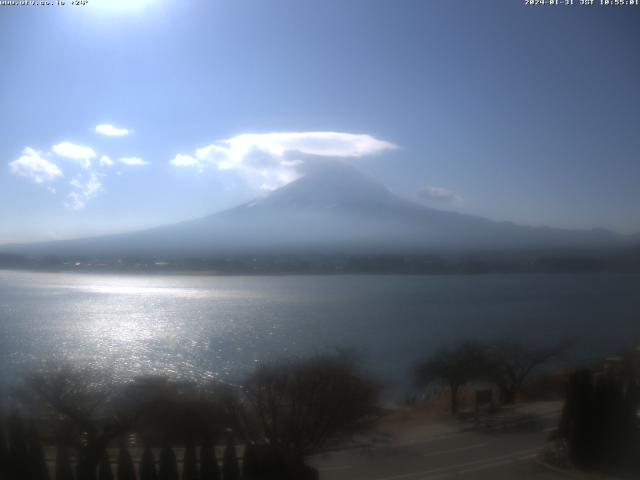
<point x="333" y="208"/>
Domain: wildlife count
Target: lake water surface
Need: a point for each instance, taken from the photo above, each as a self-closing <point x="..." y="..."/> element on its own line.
<point x="219" y="326"/>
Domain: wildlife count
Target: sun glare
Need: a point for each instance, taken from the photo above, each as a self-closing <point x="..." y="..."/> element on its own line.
<point x="116" y="6"/>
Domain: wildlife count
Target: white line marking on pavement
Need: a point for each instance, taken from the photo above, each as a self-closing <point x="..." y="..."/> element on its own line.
<point x="498" y="464"/>
<point x="331" y="469"/>
<point x="437" y="438"/>
<point x="454" y="450"/>
<point x="521" y="454"/>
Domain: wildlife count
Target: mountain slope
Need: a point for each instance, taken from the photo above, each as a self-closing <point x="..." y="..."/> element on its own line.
<point x="335" y="208"/>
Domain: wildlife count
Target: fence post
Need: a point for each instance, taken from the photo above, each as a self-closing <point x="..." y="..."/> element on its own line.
<point x="148" y="465"/>
<point x="104" y="467"/>
<point x="209" y="469"/>
<point x="230" y="468"/>
<point x="168" y="467"/>
<point x="37" y="461"/>
<point x="4" y="454"/>
<point x="125" y="464"/>
<point x="63" y="469"/>
<point x="18" y="453"/>
<point x="189" y="462"/>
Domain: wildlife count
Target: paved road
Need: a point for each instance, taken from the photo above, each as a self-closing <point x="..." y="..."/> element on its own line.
<point x="470" y="454"/>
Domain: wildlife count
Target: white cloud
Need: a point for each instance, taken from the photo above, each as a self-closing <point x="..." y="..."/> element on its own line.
<point x="84" y="189"/>
<point x="105" y="161"/>
<point x="75" y="201"/>
<point x="330" y="144"/>
<point x="75" y="182"/>
<point x="93" y="186"/>
<point x="268" y="187"/>
<point x="34" y="166"/>
<point x="438" y="195"/>
<point x="133" y="161"/>
<point x="111" y="131"/>
<point x="182" y="160"/>
<point x="79" y="153"/>
<point x="277" y="158"/>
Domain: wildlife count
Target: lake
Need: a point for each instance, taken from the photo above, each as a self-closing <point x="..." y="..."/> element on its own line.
<point x="197" y="327"/>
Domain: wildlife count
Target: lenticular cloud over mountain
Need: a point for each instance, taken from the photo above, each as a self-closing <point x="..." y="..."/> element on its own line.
<point x="276" y="158"/>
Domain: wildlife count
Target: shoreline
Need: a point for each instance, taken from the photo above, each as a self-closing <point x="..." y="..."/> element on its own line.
<point x="218" y="273"/>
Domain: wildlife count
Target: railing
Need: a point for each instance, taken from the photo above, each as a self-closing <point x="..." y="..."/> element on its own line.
<point x="24" y="457"/>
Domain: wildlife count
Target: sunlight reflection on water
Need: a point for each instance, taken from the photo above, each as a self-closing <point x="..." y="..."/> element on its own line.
<point x="126" y="286"/>
<point x="197" y="327"/>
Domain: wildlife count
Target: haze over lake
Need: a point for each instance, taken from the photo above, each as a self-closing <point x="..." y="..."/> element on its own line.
<point x="199" y="327"/>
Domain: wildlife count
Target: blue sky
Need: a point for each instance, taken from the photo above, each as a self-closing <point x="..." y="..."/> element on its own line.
<point x="530" y="114"/>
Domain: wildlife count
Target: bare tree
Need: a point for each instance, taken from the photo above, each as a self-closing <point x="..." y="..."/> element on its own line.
<point x="85" y="405"/>
<point x="454" y="367"/>
<point x="300" y="406"/>
<point x="510" y="364"/>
